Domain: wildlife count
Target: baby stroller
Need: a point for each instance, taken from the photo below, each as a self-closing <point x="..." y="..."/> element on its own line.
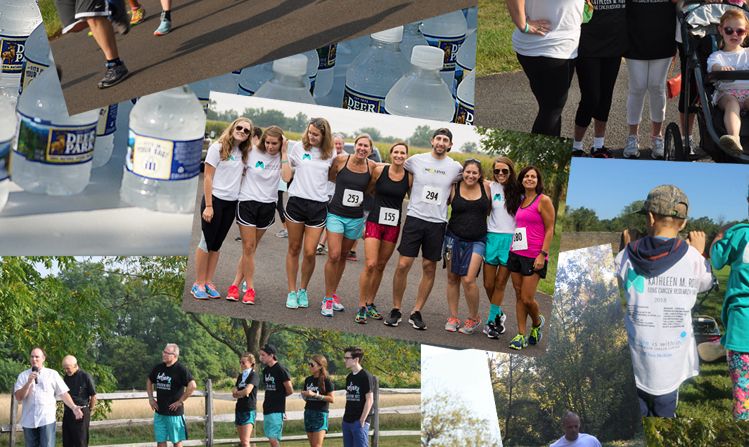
<point x="698" y="24"/>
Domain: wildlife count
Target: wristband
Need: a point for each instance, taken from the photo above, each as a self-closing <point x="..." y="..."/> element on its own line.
<point x="544" y="253"/>
<point x="527" y="28"/>
<point x="283" y="162"/>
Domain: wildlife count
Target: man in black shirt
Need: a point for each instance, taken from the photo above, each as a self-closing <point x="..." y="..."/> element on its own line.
<point x="277" y="386"/>
<point x="359" y="400"/>
<point x="174" y="384"/>
<point x="83" y="392"/>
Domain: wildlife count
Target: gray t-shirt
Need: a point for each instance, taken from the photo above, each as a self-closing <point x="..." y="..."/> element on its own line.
<point x="431" y="186"/>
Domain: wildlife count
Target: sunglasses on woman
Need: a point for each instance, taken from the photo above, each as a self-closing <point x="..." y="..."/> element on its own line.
<point x="245" y="130"/>
<point x="311" y="365"/>
<point x="503" y="171"/>
<point x="739" y="31"/>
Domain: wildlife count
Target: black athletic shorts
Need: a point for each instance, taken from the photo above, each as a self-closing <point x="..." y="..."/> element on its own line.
<point x="256" y="214"/>
<point x="309" y="212"/>
<point x="72" y="12"/>
<point x="524" y="266"/>
<point x="428" y="236"/>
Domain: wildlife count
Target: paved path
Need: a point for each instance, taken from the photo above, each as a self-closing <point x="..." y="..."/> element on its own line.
<point x="214" y="37"/>
<point x="270" y="284"/>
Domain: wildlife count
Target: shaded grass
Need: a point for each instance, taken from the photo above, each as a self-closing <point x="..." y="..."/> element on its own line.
<point x="51" y="19"/>
<point x="494" y="52"/>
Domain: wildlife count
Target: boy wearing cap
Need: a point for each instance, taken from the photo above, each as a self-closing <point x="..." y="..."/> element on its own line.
<point x="661" y="275"/>
<point x="731" y="247"/>
<point x="277" y="386"/>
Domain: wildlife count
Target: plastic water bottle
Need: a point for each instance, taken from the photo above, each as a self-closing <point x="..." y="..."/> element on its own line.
<point x="472" y="17"/>
<point x="105" y="129"/>
<point x="288" y="82"/>
<point x="411" y="37"/>
<point x="464" y="107"/>
<point x="466" y="60"/>
<point x="52" y="152"/>
<point x="446" y="32"/>
<point x="7" y="132"/>
<point x="35" y="56"/>
<point x="202" y="89"/>
<point x="312" y="63"/>
<point x="251" y="78"/>
<point x="346" y="52"/>
<point x="18" y="18"/>
<point x="225" y="83"/>
<point x="165" y="142"/>
<point x="325" y="69"/>
<point x="374" y="72"/>
<point x="422" y="92"/>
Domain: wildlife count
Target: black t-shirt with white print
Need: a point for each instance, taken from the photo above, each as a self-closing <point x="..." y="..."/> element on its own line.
<point x="357" y="387"/>
<point x="275" y="391"/>
<point x="169" y="383"/>
<point x="312" y="383"/>
<point x="606" y="33"/>
<point x="652" y="29"/>
<point x="250" y="402"/>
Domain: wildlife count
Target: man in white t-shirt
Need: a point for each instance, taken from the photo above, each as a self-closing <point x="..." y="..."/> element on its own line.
<point x="572" y="436"/>
<point x="36" y="389"/>
<point x="433" y="173"/>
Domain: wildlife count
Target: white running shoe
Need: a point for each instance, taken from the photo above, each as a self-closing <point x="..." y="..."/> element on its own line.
<point x="632" y="149"/>
<point x="658" y="150"/>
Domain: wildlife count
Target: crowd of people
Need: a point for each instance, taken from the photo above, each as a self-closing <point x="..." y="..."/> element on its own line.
<point x="553" y="40"/>
<point x="504" y="223"/>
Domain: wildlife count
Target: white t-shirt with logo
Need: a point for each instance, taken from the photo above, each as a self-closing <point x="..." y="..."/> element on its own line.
<point x="563" y="37"/>
<point x="310" y="173"/>
<point x="500" y="221"/>
<point x="583" y="440"/>
<point x="260" y="181"/>
<point x="431" y="186"/>
<point x="228" y="176"/>
<point x="659" y="321"/>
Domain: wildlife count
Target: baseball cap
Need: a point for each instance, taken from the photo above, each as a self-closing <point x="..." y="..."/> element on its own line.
<point x="269" y="349"/>
<point x="665" y="200"/>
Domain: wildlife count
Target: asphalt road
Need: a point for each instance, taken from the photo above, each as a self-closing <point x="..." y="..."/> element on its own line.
<point x="270" y="284"/>
<point x="213" y="37"/>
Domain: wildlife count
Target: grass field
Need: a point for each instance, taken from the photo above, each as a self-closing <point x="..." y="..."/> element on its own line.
<point x="494" y="49"/>
<point x="50" y="17"/>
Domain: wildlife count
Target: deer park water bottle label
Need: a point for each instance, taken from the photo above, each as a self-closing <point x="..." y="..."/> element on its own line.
<point x="464" y="113"/>
<point x="11" y="53"/>
<point x="160" y="159"/>
<point x="31" y="70"/>
<point x="44" y="142"/>
<point x="4" y="160"/>
<point x="327" y="56"/>
<point x="107" y="121"/>
<point x="355" y="100"/>
<point x="450" y="45"/>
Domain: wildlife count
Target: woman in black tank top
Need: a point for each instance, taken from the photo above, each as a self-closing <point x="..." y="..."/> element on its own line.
<point x="465" y="243"/>
<point x="390" y="184"/>
<point x="345" y="223"/>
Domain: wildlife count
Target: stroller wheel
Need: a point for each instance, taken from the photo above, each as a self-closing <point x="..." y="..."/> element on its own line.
<point x="673" y="148"/>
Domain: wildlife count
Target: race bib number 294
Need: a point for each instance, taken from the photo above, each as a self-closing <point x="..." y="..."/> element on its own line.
<point x="520" y="239"/>
<point x="432" y="195"/>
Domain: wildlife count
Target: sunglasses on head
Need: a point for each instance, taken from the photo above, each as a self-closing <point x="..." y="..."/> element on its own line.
<point x="739" y="31"/>
<point x="503" y="171"/>
<point x="246" y="130"/>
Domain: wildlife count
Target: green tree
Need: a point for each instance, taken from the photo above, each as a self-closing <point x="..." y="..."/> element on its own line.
<point x="470" y="148"/>
<point x="372" y="131"/>
<point x="581" y="219"/>
<point x="421" y="137"/>
<point x="446" y="422"/>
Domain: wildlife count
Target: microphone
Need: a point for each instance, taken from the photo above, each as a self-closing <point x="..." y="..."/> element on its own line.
<point x="35" y="369"/>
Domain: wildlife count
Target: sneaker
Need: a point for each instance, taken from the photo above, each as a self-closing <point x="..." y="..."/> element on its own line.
<point x="416" y="321"/>
<point x="600" y="152"/>
<point x="210" y="289"/>
<point x="632" y="149"/>
<point x="452" y="324"/>
<point x="337" y="306"/>
<point x="164" y="27"/>
<point x="351" y="256"/>
<point x="536" y="335"/>
<point x="499" y="323"/>
<point x="469" y="327"/>
<point x="361" y="315"/>
<point x="233" y="293"/>
<point x="491" y="330"/>
<point x="137" y="15"/>
<point x="249" y="297"/>
<point x="291" y="301"/>
<point x="283" y="233"/>
<point x="518" y="342"/>
<point x="119" y="18"/>
<point x="198" y="292"/>
<point x="579" y="153"/>
<point x="394" y="318"/>
<point x="732" y="144"/>
<point x="320" y="250"/>
<point x="372" y="312"/>
<point x="301" y="298"/>
<point x="114" y="75"/>
<point x="327" y="307"/>
<point x="657" y="151"/>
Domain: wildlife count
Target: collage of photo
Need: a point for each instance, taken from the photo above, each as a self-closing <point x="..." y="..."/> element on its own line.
<point x="400" y="223"/>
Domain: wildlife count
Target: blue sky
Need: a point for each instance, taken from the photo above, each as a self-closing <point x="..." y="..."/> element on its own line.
<point x="606" y="186"/>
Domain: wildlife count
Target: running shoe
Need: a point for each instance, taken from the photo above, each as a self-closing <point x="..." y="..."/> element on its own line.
<point x="491" y="330"/>
<point x="119" y="18"/>
<point x="394" y="318"/>
<point x="164" y="27"/>
<point x="372" y="312"/>
<point x="302" y="299"/>
<point x="320" y="250"/>
<point x="291" y="301"/>
<point x="337" y="306"/>
<point x="452" y="324"/>
<point x="327" y="307"/>
<point x="361" y="315"/>
<point x="600" y="152"/>
<point x="657" y="151"/>
<point x="137" y="15"/>
<point x="579" y="153"/>
<point x="470" y="327"/>
<point x="632" y="149"/>
<point x="198" y="292"/>
<point x="114" y="75"/>
<point x="283" y="233"/>
<point x="351" y="256"/>
<point x="499" y="322"/>
<point x="210" y="289"/>
<point x="416" y="321"/>
<point x="249" y="296"/>
<point x="732" y="144"/>
<point x="233" y="293"/>
<point x="535" y="336"/>
<point x="518" y="342"/>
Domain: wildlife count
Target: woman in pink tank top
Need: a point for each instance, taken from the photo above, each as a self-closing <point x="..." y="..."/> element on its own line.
<point x="534" y="228"/>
